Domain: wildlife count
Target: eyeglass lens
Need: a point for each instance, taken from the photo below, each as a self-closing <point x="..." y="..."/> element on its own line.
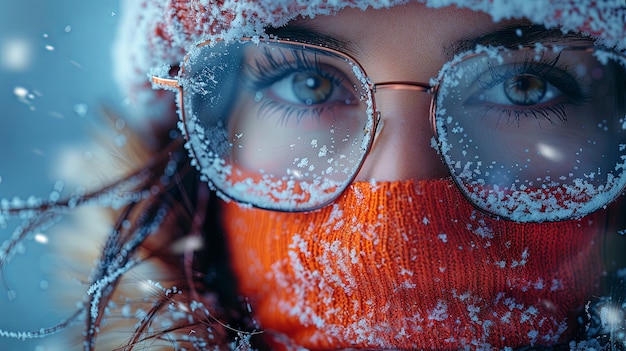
<point x="534" y="133"/>
<point x="283" y="127"/>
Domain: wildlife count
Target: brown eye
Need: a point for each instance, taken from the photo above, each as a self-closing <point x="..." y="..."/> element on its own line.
<point x="525" y="89"/>
<point x="312" y="88"/>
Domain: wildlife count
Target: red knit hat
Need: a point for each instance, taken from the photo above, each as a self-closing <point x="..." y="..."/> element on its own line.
<point x="157" y="32"/>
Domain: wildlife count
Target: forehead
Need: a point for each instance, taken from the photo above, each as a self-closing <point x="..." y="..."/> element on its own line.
<point x="410" y="26"/>
<point x="415" y="39"/>
<point x="408" y="39"/>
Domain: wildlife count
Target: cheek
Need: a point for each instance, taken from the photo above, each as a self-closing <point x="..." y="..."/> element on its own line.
<point x="264" y="137"/>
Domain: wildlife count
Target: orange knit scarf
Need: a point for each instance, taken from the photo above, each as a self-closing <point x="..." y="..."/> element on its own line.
<point x="411" y="265"/>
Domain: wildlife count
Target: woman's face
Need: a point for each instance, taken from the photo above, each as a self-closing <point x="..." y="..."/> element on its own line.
<point x="406" y="261"/>
<point x="411" y="43"/>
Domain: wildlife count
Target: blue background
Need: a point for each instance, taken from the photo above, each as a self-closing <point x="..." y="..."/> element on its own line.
<point x="55" y="73"/>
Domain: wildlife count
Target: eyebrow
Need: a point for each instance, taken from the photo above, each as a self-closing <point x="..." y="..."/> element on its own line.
<point x="302" y="34"/>
<point x="510" y="36"/>
<point x="513" y="36"/>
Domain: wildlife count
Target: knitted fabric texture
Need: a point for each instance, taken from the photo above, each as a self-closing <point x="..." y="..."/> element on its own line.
<point x="412" y="265"/>
<point x="153" y="33"/>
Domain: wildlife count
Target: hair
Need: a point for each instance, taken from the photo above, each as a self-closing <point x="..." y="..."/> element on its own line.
<point x="164" y="223"/>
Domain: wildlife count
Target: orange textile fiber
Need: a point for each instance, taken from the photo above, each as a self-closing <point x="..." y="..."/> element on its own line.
<point x="411" y="265"/>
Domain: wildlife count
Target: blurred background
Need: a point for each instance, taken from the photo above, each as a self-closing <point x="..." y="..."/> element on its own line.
<point x="55" y="74"/>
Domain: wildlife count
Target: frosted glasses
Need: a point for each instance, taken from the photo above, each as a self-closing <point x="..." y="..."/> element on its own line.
<point x="531" y="134"/>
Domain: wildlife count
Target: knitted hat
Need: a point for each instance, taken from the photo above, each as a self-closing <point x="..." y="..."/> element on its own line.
<point x="157" y="32"/>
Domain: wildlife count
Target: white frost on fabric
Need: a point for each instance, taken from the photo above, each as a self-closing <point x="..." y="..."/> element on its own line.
<point x="335" y="273"/>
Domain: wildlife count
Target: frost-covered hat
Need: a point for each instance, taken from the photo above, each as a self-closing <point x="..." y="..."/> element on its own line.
<point x="157" y="32"/>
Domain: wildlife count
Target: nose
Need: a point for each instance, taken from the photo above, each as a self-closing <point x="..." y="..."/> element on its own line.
<point x="403" y="148"/>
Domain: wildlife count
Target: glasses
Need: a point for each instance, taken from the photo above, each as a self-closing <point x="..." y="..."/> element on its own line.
<point x="531" y="134"/>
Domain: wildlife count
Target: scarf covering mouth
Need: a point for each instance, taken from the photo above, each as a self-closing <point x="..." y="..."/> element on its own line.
<point x="153" y="33"/>
<point x="412" y="265"/>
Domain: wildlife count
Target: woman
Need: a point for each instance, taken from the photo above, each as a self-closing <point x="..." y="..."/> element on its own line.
<point x="380" y="176"/>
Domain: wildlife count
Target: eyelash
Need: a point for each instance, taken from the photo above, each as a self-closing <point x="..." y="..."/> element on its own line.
<point x="288" y="112"/>
<point x="564" y="79"/>
<point x="270" y="69"/>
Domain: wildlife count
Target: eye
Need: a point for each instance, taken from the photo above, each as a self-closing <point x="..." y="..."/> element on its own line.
<point x="520" y="90"/>
<point x="525" y="89"/>
<point x="312" y="88"/>
<point x="306" y="88"/>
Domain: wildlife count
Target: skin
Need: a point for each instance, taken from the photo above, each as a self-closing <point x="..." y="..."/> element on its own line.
<point x="403" y="43"/>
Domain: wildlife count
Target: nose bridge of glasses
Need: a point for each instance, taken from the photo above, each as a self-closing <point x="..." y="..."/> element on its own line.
<point x="403" y="85"/>
<point x="403" y="150"/>
<point x="399" y="86"/>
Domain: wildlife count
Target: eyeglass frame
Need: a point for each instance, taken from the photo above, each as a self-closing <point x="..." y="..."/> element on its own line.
<point x="372" y="89"/>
